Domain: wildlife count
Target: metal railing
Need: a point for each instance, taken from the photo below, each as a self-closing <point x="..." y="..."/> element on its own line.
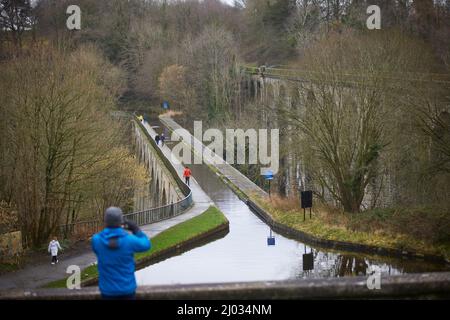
<point x="161" y="213"/>
<point x="355" y="76"/>
<point x="79" y="230"/>
<point x="84" y="229"/>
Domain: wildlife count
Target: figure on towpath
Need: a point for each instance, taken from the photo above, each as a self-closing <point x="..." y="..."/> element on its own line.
<point x="162" y="138"/>
<point x="53" y="248"/>
<point x="115" y="249"/>
<point x="187" y="175"/>
<point x="157" y="139"/>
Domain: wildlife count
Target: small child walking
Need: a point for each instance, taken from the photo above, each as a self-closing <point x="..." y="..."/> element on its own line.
<point x="53" y="247"/>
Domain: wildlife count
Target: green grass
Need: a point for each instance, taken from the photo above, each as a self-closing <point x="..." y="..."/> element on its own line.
<point x="169" y="238"/>
<point x="184" y="231"/>
<point x="420" y="230"/>
<point x="8" y="267"/>
<point x="87" y="273"/>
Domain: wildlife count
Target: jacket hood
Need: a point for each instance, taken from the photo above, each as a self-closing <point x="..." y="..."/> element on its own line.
<point x="111" y="236"/>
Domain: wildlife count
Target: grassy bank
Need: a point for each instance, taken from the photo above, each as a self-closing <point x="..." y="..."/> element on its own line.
<point x="170" y="238"/>
<point x="421" y="230"/>
<point x="8" y="267"/>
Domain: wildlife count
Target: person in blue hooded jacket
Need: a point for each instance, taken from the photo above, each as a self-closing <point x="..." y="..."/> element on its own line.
<point x="115" y="249"/>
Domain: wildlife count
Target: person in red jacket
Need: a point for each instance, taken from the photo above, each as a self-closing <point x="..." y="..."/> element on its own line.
<point x="187" y="174"/>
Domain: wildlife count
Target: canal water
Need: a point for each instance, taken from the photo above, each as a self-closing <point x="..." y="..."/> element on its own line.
<point x="244" y="254"/>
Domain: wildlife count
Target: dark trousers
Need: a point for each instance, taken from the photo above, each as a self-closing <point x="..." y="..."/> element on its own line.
<point x="187" y="180"/>
<point x="54" y="259"/>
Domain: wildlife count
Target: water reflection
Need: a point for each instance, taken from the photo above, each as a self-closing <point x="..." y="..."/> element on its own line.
<point x="270" y="239"/>
<point x="351" y="266"/>
<point x="308" y="261"/>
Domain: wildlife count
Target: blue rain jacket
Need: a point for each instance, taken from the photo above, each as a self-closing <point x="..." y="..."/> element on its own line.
<point x="115" y="250"/>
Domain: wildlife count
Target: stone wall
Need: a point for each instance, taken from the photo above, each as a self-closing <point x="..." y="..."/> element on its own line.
<point x="10" y="246"/>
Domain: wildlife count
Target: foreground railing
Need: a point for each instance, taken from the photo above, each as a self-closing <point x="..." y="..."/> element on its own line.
<point x="434" y="285"/>
<point x="84" y="229"/>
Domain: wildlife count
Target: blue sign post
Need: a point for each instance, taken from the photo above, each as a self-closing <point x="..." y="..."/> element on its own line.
<point x="268" y="176"/>
<point x="165" y="105"/>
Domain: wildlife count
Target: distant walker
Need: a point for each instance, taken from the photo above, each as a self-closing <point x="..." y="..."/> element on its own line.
<point x="53" y="248"/>
<point x="187" y="175"/>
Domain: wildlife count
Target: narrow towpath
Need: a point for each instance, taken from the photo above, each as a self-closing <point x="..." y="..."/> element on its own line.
<point x="201" y="200"/>
<point x="231" y="173"/>
<point x="42" y="272"/>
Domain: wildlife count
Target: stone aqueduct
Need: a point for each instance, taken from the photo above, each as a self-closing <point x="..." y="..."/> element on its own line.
<point x="162" y="189"/>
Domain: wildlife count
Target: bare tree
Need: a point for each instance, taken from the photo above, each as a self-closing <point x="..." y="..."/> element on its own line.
<point x="15" y="19"/>
<point x="61" y="138"/>
<point x="342" y="113"/>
